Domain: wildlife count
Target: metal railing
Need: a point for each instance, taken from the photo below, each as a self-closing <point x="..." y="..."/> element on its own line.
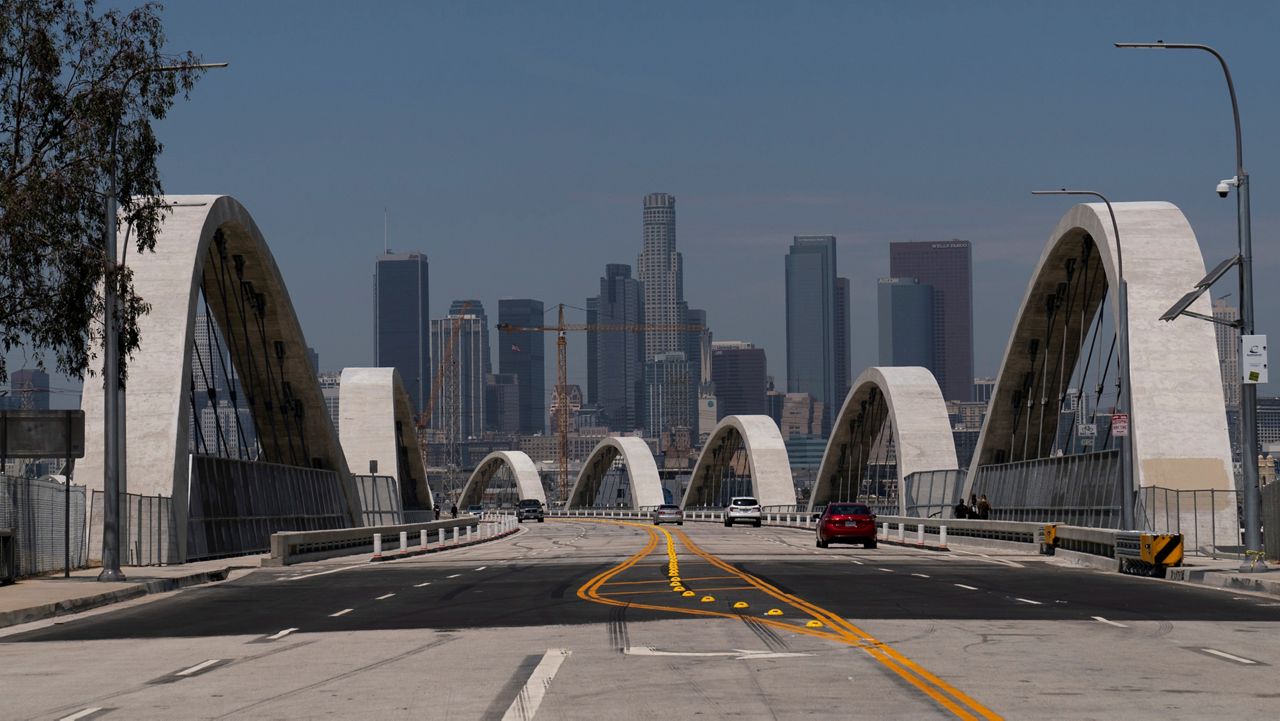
<point x="1271" y="519"/>
<point x="932" y="494"/>
<point x="380" y="500"/>
<point x="1209" y="520"/>
<point x="146" y="529"/>
<point x="1080" y="490"/>
<point x="33" y="509"/>
<point x="235" y="506"/>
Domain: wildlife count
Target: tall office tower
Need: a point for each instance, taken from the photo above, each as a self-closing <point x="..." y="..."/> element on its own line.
<point x="331" y="391"/>
<point x="948" y="267"/>
<point x="800" y="415"/>
<point x="668" y="389"/>
<point x="739" y="371"/>
<point x="905" y="312"/>
<point x="661" y="273"/>
<point x="617" y="357"/>
<point x="844" y="363"/>
<point x="1228" y="349"/>
<point x="811" y="321"/>
<point x="29" y="389"/>
<point x="593" y="357"/>
<point x="983" y="388"/>
<point x="502" y="403"/>
<point x="468" y="372"/>
<point x="402" y="323"/>
<point x="524" y="355"/>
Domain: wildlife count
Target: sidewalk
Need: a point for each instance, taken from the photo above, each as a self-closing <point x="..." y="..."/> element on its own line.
<point x="34" y="599"/>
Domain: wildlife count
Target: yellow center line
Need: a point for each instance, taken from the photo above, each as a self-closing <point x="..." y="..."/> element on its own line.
<point x="663" y="580"/>
<point x="667" y="590"/>
<point x="946" y="695"/>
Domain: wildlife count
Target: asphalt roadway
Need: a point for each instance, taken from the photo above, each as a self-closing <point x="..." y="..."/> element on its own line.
<point x="599" y="620"/>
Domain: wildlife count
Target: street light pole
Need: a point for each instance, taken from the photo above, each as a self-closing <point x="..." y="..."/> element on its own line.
<point x="112" y="440"/>
<point x="1127" y="486"/>
<point x="1248" y="391"/>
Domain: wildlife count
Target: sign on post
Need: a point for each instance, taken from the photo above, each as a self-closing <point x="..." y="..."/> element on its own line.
<point x="46" y="434"/>
<point x="1120" y="424"/>
<point x="1253" y="358"/>
<point x="1087" y="430"/>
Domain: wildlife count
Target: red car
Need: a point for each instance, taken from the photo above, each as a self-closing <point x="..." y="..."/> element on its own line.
<point x="847" y="523"/>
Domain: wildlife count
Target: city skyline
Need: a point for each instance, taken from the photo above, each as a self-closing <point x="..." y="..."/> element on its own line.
<point x="451" y="191"/>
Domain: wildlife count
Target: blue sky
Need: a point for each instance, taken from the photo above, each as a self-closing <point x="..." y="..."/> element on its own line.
<point x="513" y="142"/>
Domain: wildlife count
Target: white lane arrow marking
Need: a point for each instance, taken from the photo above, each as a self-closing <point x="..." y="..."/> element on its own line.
<point x="738" y="654"/>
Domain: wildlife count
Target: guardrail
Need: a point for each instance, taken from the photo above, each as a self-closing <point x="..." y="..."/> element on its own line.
<point x="288" y="547"/>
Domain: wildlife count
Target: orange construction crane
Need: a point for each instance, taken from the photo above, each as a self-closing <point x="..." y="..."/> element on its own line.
<point x="424" y="418"/>
<point x="562" y="384"/>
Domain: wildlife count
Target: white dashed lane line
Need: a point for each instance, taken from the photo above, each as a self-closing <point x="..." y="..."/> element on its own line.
<point x="198" y="667"/>
<point x="1027" y="600"/>
<point x="1229" y="656"/>
<point x="961" y="585"/>
<point x="343" y="612"/>
<point x="919" y="575"/>
<point x="887" y="570"/>
<point x="454" y="575"/>
<point x="384" y="597"/>
<point x="420" y="585"/>
<point x="481" y="568"/>
<point x="1100" y="619"/>
<point x="281" y="634"/>
<point x="81" y="714"/>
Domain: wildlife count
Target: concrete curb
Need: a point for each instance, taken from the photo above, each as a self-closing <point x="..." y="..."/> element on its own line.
<point x="1268" y="584"/>
<point x="84" y="603"/>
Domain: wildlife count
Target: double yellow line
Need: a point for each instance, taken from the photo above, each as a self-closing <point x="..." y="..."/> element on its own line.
<point x="841" y="630"/>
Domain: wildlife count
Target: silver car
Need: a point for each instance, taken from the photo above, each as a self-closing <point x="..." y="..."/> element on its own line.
<point x="668" y="513"/>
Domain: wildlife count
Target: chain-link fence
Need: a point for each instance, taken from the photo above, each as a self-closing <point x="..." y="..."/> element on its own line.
<point x="1271" y="519"/>
<point x="146" y="529"/>
<point x="235" y="506"/>
<point x="380" y="500"/>
<point x="35" y="510"/>
<point x="1078" y="490"/>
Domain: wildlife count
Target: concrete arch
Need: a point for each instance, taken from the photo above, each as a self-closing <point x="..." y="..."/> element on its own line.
<point x="917" y="414"/>
<point x="376" y="424"/>
<point x="157" y="414"/>
<point x="528" y="482"/>
<point x="767" y="461"/>
<point x="642" y="472"/>
<point x="1177" y="427"/>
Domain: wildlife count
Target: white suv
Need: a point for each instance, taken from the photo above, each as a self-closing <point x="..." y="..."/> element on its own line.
<point x="742" y="508"/>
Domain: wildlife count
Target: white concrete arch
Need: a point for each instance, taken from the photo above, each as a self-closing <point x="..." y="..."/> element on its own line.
<point x="376" y="424"/>
<point x="917" y="415"/>
<point x="766" y="458"/>
<point x="528" y="482"/>
<point x="642" y="472"/>
<point x="1177" y="426"/>
<point x="160" y="370"/>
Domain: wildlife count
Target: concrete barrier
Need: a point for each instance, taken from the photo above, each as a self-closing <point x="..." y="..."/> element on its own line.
<point x="290" y="547"/>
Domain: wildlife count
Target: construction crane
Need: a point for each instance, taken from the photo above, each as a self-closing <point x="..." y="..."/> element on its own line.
<point x="562" y="384"/>
<point x="446" y="375"/>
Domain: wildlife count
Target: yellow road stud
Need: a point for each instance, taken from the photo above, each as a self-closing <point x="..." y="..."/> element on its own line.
<point x="740" y="604"/>
<point x="679" y="589"/>
<point x="687" y="593"/>
<point x="773" y="612"/>
<point x="707" y="599"/>
<point x="814" y="624"/>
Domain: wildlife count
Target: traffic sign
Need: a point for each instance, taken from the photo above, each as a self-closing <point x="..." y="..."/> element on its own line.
<point x="1120" y="424"/>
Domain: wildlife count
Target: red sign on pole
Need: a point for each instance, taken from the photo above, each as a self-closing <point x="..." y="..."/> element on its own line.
<point x="1120" y="424"/>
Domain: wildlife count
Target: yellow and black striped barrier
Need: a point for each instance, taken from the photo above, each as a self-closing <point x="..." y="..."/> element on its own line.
<point x="1048" y="537"/>
<point x="1148" y="554"/>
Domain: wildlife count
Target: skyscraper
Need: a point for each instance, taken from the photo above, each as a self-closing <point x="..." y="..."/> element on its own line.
<point x="740" y="373"/>
<point x="617" y="383"/>
<point x="462" y="404"/>
<point x="402" y="323"/>
<point x="668" y="393"/>
<point x="524" y="355"/>
<point x="29" y="389"/>
<point x="1228" y="350"/>
<point x="844" y="363"/>
<point x="811" y="321"/>
<point x="661" y="271"/>
<point x="905" y="311"/>
<point x="948" y="267"/>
